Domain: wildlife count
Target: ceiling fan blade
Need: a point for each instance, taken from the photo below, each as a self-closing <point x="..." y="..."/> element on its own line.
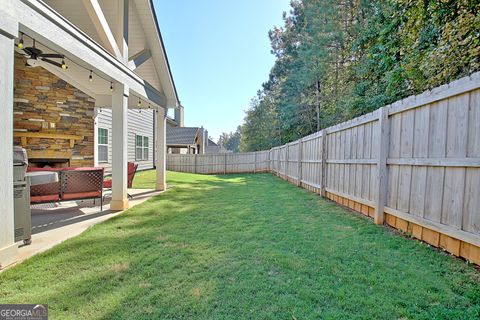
<point x="26" y="50"/>
<point x="51" y="62"/>
<point x="51" y="55"/>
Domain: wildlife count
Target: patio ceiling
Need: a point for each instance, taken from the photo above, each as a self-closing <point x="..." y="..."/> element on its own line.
<point x="54" y="34"/>
<point x="77" y="75"/>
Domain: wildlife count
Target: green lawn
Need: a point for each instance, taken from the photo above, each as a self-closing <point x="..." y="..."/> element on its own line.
<point x="243" y="247"/>
<point x="147" y="179"/>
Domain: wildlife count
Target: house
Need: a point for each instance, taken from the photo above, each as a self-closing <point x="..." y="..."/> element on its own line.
<point x="190" y="140"/>
<point x="65" y="64"/>
<point x="212" y="147"/>
<point x="186" y="140"/>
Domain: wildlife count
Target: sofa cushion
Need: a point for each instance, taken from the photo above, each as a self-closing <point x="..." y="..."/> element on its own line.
<point x="47" y="198"/>
<point x="107" y="184"/>
<point x="81" y="195"/>
<point x="30" y="169"/>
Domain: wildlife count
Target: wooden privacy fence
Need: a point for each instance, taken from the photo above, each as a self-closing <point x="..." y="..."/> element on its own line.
<point x="414" y="164"/>
<point x="221" y="163"/>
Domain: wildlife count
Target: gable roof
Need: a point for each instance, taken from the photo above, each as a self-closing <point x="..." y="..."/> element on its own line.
<point x="211" y="143"/>
<point x="181" y="136"/>
<point x="143" y="36"/>
<point x="172" y="99"/>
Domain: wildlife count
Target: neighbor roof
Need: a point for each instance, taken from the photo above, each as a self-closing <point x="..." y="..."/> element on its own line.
<point x="181" y="136"/>
<point x="211" y="143"/>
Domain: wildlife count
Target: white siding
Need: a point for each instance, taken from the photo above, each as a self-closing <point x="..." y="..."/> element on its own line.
<point x="138" y="123"/>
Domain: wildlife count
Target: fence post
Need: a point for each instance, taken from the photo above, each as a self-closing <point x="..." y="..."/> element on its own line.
<point x="225" y="163"/>
<point x="382" y="176"/>
<point x="278" y="162"/>
<point x="323" y="181"/>
<point x="255" y="162"/>
<point x="299" y="169"/>
<point x="287" y="163"/>
<point x="269" y="168"/>
<point x="194" y="163"/>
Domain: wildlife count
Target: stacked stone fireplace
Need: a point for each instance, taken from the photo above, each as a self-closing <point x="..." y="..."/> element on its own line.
<point x="53" y="120"/>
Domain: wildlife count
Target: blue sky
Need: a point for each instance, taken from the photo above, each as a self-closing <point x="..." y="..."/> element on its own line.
<point x="219" y="53"/>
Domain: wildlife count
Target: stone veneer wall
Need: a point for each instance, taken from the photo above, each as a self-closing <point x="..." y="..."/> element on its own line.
<point x="41" y="97"/>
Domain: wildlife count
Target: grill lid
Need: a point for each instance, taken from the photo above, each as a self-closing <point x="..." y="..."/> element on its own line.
<point x="20" y="157"/>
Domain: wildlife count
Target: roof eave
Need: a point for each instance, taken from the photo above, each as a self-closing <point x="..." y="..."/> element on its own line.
<point x="159" y="34"/>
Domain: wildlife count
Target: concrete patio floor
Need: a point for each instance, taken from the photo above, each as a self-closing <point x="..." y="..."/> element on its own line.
<point x="57" y="222"/>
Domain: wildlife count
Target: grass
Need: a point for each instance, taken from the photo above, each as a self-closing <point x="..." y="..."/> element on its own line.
<point x="243" y="247"/>
<point x="147" y="179"/>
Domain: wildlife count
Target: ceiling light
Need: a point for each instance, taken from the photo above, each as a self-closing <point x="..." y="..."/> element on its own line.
<point x="20" y="43"/>
<point x="64" y="65"/>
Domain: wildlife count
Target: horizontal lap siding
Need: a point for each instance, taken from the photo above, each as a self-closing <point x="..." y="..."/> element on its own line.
<point x="104" y="120"/>
<point x="138" y="123"/>
<point x="141" y="124"/>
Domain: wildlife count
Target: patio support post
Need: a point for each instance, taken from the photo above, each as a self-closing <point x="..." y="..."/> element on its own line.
<point x="161" y="149"/>
<point x="119" y="147"/>
<point x="8" y="31"/>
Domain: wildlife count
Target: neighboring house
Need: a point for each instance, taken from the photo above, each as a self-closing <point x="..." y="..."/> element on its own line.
<point x="185" y="140"/>
<point x="191" y="140"/>
<point x="212" y="147"/>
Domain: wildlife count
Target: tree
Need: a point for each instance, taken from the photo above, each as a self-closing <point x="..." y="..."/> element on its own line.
<point x="338" y="59"/>
<point x="260" y="129"/>
<point x="231" y="141"/>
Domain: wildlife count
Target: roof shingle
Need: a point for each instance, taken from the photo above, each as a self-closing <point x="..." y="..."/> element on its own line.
<point x="181" y="136"/>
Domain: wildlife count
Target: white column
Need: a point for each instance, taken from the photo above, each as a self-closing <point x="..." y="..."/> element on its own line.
<point x="161" y="149"/>
<point x="8" y="30"/>
<point x="119" y="147"/>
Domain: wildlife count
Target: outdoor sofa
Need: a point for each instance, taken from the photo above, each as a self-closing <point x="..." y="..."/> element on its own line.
<point x="73" y="184"/>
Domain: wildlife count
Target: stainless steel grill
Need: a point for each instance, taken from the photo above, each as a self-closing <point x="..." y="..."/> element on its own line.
<point x="21" y="195"/>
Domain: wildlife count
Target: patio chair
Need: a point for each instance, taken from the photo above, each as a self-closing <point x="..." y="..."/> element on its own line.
<point x="131" y="170"/>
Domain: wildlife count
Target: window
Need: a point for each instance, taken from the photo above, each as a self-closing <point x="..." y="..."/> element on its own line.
<point x="102" y="145"/>
<point x="141" y="148"/>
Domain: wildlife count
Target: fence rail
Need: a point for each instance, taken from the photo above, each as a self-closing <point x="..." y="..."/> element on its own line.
<point x="414" y="164"/>
<point x="222" y="163"/>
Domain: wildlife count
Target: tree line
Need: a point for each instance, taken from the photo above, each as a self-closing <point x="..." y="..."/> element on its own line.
<point x="338" y="59"/>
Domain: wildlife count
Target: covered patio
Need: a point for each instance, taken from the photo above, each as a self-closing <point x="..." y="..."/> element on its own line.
<point x="56" y="222"/>
<point x="104" y="63"/>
